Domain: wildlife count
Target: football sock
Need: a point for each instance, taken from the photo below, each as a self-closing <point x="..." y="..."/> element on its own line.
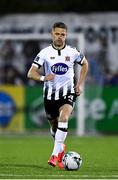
<point x="60" y="137"/>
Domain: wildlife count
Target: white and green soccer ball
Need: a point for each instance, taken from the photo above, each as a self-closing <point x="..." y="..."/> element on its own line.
<point x="72" y="161"/>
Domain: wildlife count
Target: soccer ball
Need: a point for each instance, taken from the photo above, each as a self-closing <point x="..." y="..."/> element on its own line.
<point x="72" y="160"/>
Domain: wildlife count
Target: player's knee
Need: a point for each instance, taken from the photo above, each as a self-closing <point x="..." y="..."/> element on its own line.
<point x="64" y="118"/>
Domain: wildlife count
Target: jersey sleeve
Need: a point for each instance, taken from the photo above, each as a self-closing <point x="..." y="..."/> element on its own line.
<point x="39" y="60"/>
<point x="79" y="57"/>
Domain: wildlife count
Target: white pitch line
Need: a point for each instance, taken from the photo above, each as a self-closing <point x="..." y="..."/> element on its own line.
<point x="54" y="175"/>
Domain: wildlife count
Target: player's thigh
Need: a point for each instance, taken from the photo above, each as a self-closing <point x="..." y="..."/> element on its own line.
<point x="65" y="112"/>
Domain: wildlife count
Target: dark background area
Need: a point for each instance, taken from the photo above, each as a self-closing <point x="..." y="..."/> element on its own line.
<point x="37" y="6"/>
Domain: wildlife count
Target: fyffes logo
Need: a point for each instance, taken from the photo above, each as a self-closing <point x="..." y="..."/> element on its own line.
<point x="7" y="109"/>
<point x="59" y="68"/>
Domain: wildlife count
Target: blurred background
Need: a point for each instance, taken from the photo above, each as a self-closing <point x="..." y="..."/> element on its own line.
<point x="25" y="29"/>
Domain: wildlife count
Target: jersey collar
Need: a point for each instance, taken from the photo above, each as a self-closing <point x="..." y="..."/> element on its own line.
<point x="58" y="49"/>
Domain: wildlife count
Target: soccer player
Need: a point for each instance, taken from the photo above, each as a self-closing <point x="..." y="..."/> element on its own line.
<point x="60" y="91"/>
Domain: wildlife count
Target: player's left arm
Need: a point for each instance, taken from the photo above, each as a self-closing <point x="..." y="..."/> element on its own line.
<point x="83" y="72"/>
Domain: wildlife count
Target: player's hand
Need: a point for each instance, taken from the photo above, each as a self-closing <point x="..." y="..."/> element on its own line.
<point x="49" y="77"/>
<point x="78" y="90"/>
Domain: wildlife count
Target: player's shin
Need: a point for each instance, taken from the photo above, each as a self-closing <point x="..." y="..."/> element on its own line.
<point x="60" y="137"/>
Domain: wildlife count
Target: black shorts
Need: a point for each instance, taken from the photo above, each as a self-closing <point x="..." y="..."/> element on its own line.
<point x="52" y="106"/>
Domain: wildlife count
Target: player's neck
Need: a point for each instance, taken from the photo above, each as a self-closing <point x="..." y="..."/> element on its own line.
<point x="58" y="47"/>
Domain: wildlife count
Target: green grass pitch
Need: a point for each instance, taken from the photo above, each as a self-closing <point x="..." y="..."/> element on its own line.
<point x="25" y="157"/>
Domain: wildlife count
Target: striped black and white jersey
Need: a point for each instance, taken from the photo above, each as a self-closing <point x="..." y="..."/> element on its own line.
<point x="61" y="63"/>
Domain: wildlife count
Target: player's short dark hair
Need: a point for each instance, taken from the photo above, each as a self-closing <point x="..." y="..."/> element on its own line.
<point x="59" y="25"/>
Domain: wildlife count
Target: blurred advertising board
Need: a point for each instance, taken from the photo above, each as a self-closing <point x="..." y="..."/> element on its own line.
<point x="11" y="109"/>
<point x="102" y="109"/>
<point x="22" y="109"/>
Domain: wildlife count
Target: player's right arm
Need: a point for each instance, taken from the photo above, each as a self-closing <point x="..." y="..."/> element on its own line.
<point x="33" y="73"/>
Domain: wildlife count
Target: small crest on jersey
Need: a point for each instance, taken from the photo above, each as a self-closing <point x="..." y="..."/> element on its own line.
<point x="52" y="57"/>
<point x="67" y="58"/>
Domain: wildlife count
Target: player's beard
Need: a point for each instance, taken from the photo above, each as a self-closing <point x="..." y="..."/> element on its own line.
<point x="59" y="44"/>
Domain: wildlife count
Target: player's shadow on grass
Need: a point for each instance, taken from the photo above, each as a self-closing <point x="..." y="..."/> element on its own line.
<point x="23" y="166"/>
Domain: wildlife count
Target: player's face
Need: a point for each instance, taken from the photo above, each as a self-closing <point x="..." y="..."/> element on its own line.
<point x="59" y="36"/>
